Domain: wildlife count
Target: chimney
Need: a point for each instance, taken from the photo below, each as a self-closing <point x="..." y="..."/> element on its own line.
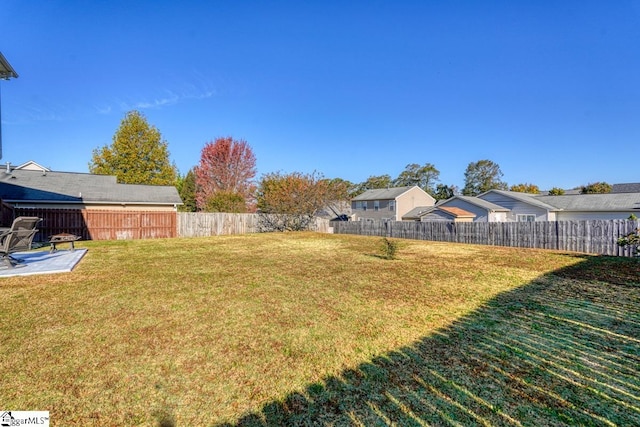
<point x="8" y="167"/>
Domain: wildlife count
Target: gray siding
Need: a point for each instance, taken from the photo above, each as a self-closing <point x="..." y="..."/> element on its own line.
<point x="481" y="214"/>
<point x="517" y="207"/>
<point x="570" y="216"/>
<point x="383" y="211"/>
<point x="437" y="215"/>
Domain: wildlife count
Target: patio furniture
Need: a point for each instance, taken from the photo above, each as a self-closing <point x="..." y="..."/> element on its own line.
<point x="18" y="238"/>
<point x="62" y="238"/>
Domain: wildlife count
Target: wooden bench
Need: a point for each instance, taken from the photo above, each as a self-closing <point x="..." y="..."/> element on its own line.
<point x="62" y="238"/>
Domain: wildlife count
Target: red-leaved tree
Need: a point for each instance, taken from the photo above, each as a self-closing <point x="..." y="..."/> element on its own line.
<point x="225" y="175"/>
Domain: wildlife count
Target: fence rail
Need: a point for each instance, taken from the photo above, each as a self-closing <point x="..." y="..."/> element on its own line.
<point x="592" y="236"/>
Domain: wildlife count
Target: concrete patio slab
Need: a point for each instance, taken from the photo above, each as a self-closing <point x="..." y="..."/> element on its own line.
<point x="43" y="262"/>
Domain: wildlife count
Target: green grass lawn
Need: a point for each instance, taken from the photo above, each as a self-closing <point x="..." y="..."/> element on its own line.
<point x="311" y="329"/>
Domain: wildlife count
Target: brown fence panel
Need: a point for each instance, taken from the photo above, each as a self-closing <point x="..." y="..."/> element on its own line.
<point x="102" y="224"/>
<point x="6" y="214"/>
<point x="55" y="221"/>
<point x="118" y="225"/>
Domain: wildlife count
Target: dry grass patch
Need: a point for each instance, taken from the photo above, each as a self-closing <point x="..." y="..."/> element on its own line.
<point x="213" y="330"/>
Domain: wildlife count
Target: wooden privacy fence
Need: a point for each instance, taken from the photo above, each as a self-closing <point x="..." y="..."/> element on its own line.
<point x="102" y="224"/>
<point x="592" y="236"/>
<point x="202" y="224"/>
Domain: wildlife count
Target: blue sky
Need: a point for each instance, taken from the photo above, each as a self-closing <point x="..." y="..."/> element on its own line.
<point x="548" y="90"/>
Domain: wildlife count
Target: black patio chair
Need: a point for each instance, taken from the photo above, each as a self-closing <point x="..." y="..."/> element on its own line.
<point x="18" y="238"/>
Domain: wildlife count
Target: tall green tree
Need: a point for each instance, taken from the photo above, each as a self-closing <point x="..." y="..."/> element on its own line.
<point x="444" y="192"/>
<point x="481" y="176"/>
<point x="424" y="176"/>
<point x="138" y="154"/>
<point x="187" y="189"/>
<point x="373" y="182"/>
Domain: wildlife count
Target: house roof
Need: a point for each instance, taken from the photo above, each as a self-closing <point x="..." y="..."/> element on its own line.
<point x="70" y="187"/>
<point x="532" y="199"/>
<point x="382" y="193"/>
<point x="452" y="211"/>
<point x="417" y="212"/>
<point x="631" y="187"/>
<point x="30" y="165"/>
<point x="457" y="212"/>
<point x="6" y="70"/>
<point x="594" y="202"/>
<point x="492" y="207"/>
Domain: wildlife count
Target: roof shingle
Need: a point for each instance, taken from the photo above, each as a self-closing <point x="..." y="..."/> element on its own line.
<point x="71" y="187"/>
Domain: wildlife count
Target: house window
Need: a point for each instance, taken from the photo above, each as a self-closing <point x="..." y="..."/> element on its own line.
<point x="392" y="205"/>
<point x="526" y="218"/>
<point x="364" y="206"/>
<point x="376" y="205"/>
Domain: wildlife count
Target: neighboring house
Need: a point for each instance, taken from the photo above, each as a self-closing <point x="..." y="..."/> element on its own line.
<point x="594" y="206"/>
<point x="47" y="189"/>
<point x="389" y="203"/>
<point x="521" y="206"/>
<point x="533" y="207"/>
<point x="483" y="210"/>
<point x="629" y="187"/>
<point x="499" y="206"/>
<point x="439" y="213"/>
<point x="336" y="211"/>
<point x="30" y="165"/>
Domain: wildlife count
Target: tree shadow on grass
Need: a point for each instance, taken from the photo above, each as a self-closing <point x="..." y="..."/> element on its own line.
<point x="558" y="351"/>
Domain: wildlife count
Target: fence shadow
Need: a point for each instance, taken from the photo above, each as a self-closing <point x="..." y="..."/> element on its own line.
<point x="558" y="351"/>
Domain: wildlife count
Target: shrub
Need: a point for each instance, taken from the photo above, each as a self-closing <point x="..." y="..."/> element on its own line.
<point x="556" y="191"/>
<point x="389" y="248"/>
<point x="596" y="188"/>
<point x="633" y="240"/>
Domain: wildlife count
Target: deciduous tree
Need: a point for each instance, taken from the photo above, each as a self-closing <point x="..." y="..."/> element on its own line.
<point x="596" y="188"/>
<point x="138" y="154"/>
<point x="225" y="175"/>
<point x="222" y="201"/>
<point x="289" y="202"/>
<point x="525" y="188"/>
<point x="344" y="187"/>
<point x="556" y="191"/>
<point x="424" y="176"/>
<point x="481" y="176"/>
<point x="373" y="182"/>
